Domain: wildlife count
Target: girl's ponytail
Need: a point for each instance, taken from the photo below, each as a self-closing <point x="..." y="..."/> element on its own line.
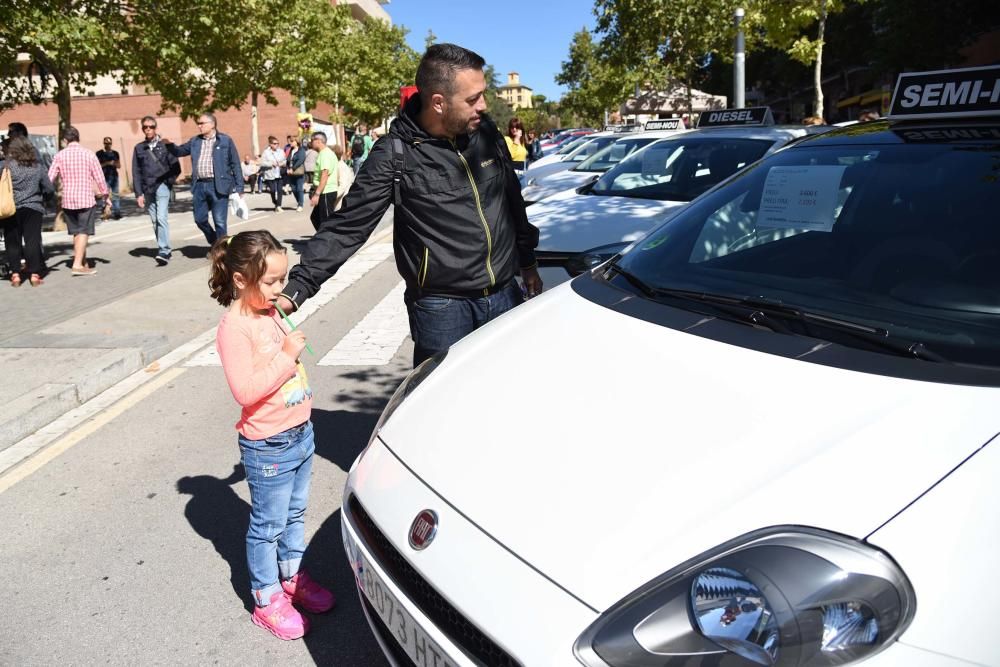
<point x="220" y="278"/>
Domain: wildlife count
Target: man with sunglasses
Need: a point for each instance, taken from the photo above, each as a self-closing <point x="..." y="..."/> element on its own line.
<point x="215" y="175"/>
<point x="154" y="171"/>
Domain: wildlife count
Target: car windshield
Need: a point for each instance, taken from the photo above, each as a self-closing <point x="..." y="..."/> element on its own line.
<point x="898" y="237"/>
<point x="571" y="145"/>
<point x="611" y="155"/>
<point x="589" y="148"/>
<point x="679" y="169"/>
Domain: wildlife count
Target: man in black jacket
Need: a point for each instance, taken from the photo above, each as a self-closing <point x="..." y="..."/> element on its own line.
<point x="154" y="171"/>
<point x="460" y="234"/>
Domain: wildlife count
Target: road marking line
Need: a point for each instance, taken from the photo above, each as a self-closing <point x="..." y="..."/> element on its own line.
<point x="51" y="452"/>
<point x="375" y="339"/>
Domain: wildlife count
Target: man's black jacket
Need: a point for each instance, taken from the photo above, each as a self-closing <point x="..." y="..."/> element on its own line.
<point x="460" y="227"/>
<point x="152" y="164"/>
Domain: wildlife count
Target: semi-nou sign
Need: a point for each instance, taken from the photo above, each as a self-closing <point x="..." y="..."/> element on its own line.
<point x="974" y="91"/>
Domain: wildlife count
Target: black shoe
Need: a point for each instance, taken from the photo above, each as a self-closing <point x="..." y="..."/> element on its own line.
<point x="117" y="216"/>
<point x="162" y="260"/>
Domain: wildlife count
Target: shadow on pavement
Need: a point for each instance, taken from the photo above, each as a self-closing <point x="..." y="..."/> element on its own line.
<point x="221" y="517"/>
<point x="342" y="636"/>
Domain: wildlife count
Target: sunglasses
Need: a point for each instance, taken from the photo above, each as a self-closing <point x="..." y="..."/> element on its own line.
<point x="149" y="127"/>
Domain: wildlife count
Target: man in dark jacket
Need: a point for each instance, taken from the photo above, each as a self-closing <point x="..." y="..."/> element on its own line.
<point x="461" y="233"/>
<point x="215" y="175"/>
<point x="154" y="171"/>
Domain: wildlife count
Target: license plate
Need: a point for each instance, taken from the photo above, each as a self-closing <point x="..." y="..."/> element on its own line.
<point x="414" y="641"/>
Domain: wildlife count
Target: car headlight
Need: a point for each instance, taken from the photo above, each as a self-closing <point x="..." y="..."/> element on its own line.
<point x="782" y="597"/>
<point x="587" y="260"/>
<point x="405" y="388"/>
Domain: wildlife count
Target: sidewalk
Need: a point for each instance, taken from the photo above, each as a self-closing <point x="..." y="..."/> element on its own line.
<point x="67" y="341"/>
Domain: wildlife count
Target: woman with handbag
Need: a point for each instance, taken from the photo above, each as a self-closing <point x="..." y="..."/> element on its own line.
<point x="23" y="231"/>
<point x="297" y="171"/>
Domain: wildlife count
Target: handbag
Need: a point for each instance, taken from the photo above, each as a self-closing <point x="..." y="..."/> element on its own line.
<point x="7" y="206"/>
<point x="297" y="171"/>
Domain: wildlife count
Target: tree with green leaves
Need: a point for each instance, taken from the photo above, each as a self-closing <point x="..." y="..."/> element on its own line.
<point x="378" y="62"/>
<point x="227" y="51"/>
<point x="69" y="44"/>
<point x="596" y="82"/>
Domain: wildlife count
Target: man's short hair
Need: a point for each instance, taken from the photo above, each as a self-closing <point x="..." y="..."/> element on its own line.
<point x="319" y="135"/>
<point x="271" y="138"/>
<point x="16" y="129"/>
<point x="145" y="118"/>
<point x="71" y="134"/>
<point x="108" y="140"/>
<point x="210" y="117"/>
<point x="436" y="72"/>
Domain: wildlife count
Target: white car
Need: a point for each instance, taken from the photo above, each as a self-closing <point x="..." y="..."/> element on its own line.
<point x="580" y="173"/>
<point x="583" y="226"/>
<point x="561" y="151"/>
<point x="766" y="435"/>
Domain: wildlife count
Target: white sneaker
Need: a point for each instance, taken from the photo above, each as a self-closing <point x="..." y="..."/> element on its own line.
<point x="277" y="209"/>
<point x="298" y="209"/>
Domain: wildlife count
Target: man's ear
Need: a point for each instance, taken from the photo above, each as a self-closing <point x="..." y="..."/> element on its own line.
<point x="437" y="102"/>
<point x="239" y="280"/>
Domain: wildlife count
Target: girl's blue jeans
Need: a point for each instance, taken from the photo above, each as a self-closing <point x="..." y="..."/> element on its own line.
<point x="278" y="471"/>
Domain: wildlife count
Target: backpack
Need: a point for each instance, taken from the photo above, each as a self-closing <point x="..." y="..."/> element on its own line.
<point x="357" y="145"/>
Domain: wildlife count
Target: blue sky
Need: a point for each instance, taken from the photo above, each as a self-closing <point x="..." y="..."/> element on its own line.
<point x="530" y="37"/>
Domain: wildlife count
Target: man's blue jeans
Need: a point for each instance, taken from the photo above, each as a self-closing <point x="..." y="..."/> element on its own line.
<point x="157" y="206"/>
<point x="112" y="183"/>
<point x="206" y="199"/>
<point x="278" y="471"/>
<point x="438" y="322"/>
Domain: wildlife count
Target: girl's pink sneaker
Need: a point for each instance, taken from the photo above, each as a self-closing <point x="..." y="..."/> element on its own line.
<point x="280" y="618"/>
<point x="305" y="592"/>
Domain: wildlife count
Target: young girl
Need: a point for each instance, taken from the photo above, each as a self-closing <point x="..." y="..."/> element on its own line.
<point x="261" y="364"/>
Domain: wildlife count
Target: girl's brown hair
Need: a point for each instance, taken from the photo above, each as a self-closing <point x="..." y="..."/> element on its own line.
<point x="245" y="253"/>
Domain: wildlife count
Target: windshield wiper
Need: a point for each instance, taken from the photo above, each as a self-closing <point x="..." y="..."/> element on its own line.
<point x="773" y="315"/>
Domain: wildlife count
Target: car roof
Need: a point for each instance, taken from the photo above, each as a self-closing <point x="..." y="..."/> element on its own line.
<point x="887" y="131"/>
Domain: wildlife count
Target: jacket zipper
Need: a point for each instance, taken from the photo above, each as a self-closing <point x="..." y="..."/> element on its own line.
<point x="422" y="271"/>
<point x="482" y="217"/>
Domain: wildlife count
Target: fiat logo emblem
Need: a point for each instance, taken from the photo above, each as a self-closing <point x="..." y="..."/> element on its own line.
<point x="423" y="529"/>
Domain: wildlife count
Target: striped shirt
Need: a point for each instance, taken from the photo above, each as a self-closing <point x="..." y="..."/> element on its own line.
<point x="205" y="168"/>
<point x="81" y="176"/>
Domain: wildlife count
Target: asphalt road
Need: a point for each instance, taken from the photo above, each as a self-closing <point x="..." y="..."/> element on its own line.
<point x="127" y="547"/>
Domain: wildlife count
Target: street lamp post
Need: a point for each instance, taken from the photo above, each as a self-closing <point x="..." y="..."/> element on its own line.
<point x="302" y="97"/>
<point x="739" y="63"/>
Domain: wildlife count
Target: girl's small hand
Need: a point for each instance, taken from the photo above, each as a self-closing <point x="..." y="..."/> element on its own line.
<point x="294" y="343"/>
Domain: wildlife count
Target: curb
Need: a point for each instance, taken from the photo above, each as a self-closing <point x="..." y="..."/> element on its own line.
<point x="43" y="404"/>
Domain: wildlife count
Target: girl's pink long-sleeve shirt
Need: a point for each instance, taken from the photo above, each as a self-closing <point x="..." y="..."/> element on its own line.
<point x="271" y="386"/>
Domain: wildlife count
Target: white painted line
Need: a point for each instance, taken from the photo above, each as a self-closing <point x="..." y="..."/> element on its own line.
<point x="374" y="340"/>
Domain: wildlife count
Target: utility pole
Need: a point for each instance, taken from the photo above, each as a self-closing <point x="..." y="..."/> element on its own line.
<point x="302" y="97"/>
<point x="739" y="63"/>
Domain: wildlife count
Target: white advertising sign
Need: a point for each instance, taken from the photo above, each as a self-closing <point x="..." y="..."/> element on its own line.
<point x="800" y="197"/>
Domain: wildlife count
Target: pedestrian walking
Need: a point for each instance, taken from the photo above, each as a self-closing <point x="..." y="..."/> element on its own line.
<point x="324" y="193"/>
<point x="272" y="160"/>
<point x="310" y="164"/>
<point x="461" y="230"/>
<point x="345" y="176"/>
<point x="110" y="164"/>
<point x="275" y="435"/>
<point x="534" y="146"/>
<point x="215" y="175"/>
<point x="22" y="232"/>
<point x="154" y="173"/>
<point x="249" y="168"/>
<point x="297" y="172"/>
<point x="80" y="175"/>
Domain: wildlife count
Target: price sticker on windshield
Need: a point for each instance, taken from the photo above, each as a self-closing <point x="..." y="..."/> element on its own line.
<point x="803" y="198"/>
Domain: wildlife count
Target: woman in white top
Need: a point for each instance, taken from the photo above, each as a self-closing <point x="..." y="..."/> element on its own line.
<point x="272" y="160"/>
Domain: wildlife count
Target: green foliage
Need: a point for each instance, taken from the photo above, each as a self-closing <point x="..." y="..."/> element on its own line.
<point x="597" y="82"/>
<point x="379" y="62"/>
<point x="69" y="45"/>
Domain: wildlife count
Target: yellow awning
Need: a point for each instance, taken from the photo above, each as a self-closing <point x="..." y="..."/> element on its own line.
<point x="850" y="101"/>
<point x="871" y="96"/>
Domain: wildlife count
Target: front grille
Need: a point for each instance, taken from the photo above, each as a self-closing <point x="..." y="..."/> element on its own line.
<point x="449" y="620"/>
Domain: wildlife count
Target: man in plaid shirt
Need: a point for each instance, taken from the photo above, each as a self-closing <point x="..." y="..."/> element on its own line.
<point x="81" y="176"/>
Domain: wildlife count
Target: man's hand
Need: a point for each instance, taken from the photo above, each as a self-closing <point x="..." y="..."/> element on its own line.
<point x="532" y="281"/>
<point x="141" y="201"/>
<point x="314" y="200"/>
<point x="285" y="304"/>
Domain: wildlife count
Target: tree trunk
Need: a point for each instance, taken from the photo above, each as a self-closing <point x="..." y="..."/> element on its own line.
<point x="818" y="71"/>
<point x="254" y="140"/>
<point x="64" y="97"/>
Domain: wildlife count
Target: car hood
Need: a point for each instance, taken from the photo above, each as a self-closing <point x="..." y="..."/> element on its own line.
<point x="605" y="450"/>
<point x="571" y="222"/>
<point x="556" y="183"/>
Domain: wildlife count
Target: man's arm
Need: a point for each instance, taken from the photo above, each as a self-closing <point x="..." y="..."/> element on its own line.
<point x="116" y="161"/>
<point x="137" y="177"/>
<point x="340" y="236"/>
<point x="324" y="176"/>
<point x="234" y="166"/>
<point x="177" y="150"/>
<point x="97" y="175"/>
